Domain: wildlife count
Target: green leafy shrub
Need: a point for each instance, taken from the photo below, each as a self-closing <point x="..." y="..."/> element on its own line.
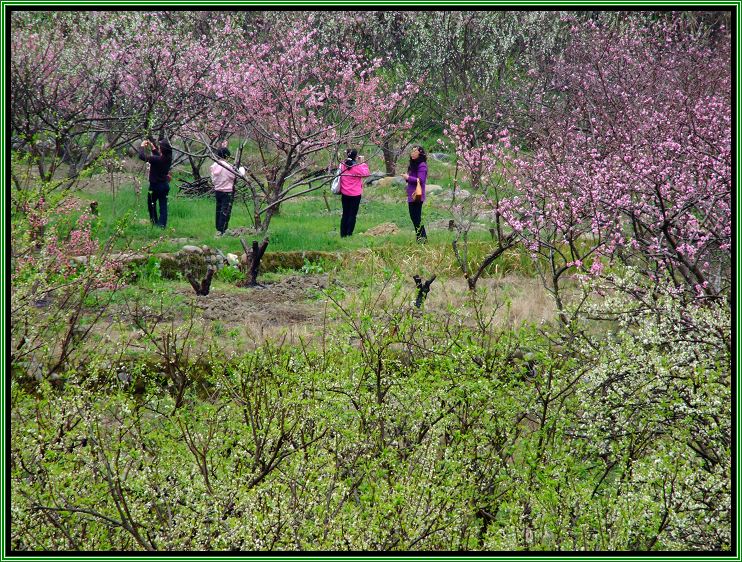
<point x="402" y="431"/>
<point x="230" y="274"/>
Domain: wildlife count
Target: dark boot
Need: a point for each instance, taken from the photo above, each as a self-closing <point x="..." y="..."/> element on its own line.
<point x="422" y="236"/>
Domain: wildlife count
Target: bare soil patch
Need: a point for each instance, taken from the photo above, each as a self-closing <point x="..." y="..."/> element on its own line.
<point x="282" y="303"/>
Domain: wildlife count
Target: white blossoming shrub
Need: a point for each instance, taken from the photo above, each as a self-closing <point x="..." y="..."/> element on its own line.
<point x="656" y="410"/>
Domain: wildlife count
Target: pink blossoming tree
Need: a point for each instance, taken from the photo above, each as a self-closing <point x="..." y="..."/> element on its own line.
<point x="481" y="162"/>
<point x="295" y="104"/>
<point x="117" y="78"/>
<point x="632" y="159"/>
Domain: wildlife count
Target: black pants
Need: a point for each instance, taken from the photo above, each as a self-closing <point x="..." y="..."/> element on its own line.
<point x="158" y="196"/>
<point x="350" y="211"/>
<point x="223" y="209"/>
<point x="416" y="214"/>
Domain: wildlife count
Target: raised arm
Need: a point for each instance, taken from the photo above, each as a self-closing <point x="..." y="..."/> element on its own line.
<point x="360" y="170"/>
<point x="154" y="157"/>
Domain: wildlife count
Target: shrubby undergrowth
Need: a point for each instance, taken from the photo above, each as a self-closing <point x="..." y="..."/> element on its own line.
<point x="596" y="148"/>
<point x="402" y="431"/>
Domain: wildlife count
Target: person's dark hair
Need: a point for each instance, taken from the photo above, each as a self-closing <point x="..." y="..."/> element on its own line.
<point x="222" y="152"/>
<point x="166" y="150"/>
<point x="422" y="157"/>
<point x="351" y="155"/>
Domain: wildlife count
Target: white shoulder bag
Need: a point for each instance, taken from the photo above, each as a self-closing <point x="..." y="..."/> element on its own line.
<point x="335" y="188"/>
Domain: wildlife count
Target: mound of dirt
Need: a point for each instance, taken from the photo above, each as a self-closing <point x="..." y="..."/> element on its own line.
<point x="383" y="229"/>
<point x="240" y="231"/>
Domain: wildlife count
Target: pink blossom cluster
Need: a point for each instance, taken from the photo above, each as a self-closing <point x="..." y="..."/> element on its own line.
<point x="300" y="96"/>
<point x="50" y="250"/>
<point x="480" y="155"/>
<point x="633" y="157"/>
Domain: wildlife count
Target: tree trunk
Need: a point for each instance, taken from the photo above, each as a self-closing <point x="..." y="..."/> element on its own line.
<point x="251" y="266"/>
<point x="261" y="224"/>
<point x="501" y="249"/>
<point x="256" y="219"/>
<point x="201" y="287"/>
<point x="195" y="167"/>
<point x="390" y="159"/>
<point x="422" y="289"/>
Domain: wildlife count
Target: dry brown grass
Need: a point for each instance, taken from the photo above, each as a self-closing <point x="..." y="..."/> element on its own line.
<point x="295" y="318"/>
<point x="511" y="300"/>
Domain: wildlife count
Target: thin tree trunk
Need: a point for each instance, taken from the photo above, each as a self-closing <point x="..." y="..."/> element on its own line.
<point x="390" y="160"/>
<point x="202" y="287"/>
<point x="251" y="267"/>
<point x="507" y="243"/>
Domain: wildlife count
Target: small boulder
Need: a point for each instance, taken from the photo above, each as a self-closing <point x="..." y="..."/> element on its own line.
<point x="373" y="178"/>
<point x="192" y="250"/>
<point x="440" y="156"/>
<point x="393" y="181"/>
<point x="233" y="260"/>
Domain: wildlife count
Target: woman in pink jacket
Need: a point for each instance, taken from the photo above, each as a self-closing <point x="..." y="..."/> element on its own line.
<point x="223" y="177"/>
<point x="352" y="172"/>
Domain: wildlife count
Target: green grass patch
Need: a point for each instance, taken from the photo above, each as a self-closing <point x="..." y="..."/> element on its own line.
<point x="302" y="224"/>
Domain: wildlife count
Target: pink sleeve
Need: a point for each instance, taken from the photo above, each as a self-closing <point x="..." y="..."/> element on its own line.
<point x="357" y="171"/>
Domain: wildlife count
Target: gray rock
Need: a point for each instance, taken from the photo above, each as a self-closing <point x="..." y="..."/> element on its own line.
<point x="233" y="260"/>
<point x="192" y="250"/>
<point x="373" y="178"/>
<point x="124" y="376"/>
<point x="460" y="194"/>
<point x="395" y="181"/>
<point x="440" y="156"/>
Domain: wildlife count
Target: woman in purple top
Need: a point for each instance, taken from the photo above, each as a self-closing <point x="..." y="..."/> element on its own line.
<point x="418" y="169"/>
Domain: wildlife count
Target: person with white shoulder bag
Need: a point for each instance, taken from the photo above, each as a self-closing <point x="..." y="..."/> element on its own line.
<point x="223" y="177"/>
<point x="352" y="172"/>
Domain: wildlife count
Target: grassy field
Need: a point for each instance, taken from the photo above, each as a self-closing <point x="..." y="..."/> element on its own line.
<point x="303" y="223"/>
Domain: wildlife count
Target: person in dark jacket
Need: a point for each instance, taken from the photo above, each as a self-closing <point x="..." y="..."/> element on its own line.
<point x="418" y="169"/>
<point x="160" y="160"/>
